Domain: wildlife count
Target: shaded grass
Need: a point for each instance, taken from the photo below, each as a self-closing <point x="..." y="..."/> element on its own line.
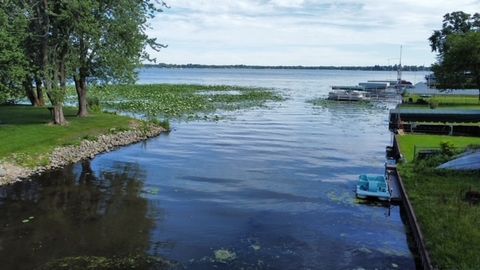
<point x="408" y="142"/>
<point x="180" y="101"/>
<point x="28" y="138"/>
<point x="449" y="223"/>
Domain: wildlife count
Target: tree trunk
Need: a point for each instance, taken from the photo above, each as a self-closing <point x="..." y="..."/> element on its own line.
<point x="81" y="87"/>
<point x="27" y="85"/>
<point x="58" y="117"/>
<point x="38" y="86"/>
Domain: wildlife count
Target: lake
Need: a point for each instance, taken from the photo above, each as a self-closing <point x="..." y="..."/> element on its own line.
<point x="271" y="187"/>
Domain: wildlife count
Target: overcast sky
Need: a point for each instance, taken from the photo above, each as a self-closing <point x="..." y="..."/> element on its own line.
<point x="301" y="32"/>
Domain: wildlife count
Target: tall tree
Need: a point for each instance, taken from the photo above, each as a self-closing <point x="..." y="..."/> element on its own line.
<point x="457" y="22"/>
<point x="459" y="66"/>
<point x="13" y="62"/>
<point x="54" y="26"/>
<point x="458" y="48"/>
<point x="108" y="42"/>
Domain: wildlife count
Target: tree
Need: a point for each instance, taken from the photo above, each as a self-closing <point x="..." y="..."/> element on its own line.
<point x="13" y="62"/>
<point x="108" y="42"/>
<point x="53" y="37"/>
<point x="457" y="22"/>
<point x="458" y="47"/>
<point x="460" y="65"/>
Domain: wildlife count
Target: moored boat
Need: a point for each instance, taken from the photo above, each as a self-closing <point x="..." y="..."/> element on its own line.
<point x="373" y="186"/>
<point x="347" y="95"/>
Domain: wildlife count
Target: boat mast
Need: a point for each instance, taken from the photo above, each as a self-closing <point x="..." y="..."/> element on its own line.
<point x="399" y="69"/>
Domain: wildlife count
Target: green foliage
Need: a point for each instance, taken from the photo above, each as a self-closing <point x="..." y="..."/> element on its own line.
<point x="458" y="47"/>
<point x="442" y="102"/>
<point x="94" y="104"/>
<point x="421" y="101"/>
<point x="13" y="61"/>
<point x="457" y="22"/>
<point x="433" y="104"/>
<point x="162" y="123"/>
<point x="180" y="101"/>
<point x="447" y="148"/>
<point x="460" y="65"/>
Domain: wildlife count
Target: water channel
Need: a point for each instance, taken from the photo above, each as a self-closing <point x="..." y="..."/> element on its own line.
<point x="272" y="186"/>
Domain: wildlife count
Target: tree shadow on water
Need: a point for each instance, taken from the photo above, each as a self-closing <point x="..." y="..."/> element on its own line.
<point x="72" y="216"/>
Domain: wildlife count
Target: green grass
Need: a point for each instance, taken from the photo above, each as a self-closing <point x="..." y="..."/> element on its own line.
<point x="180" y="101"/>
<point x="441" y="106"/>
<point x="449" y="223"/>
<point x="444" y="102"/>
<point x="407" y="143"/>
<point x="28" y="138"/>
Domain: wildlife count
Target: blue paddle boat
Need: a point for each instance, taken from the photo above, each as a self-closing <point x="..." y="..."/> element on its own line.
<point x="373" y="186"/>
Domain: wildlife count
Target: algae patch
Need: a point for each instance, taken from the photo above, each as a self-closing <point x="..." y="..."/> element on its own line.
<point x="224" y="255"/>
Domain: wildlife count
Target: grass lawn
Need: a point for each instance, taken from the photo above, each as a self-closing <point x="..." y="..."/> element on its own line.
<point x="408" y="142"/>
<point x="443" y="102"/>
<point x="450" y="224"/>
<point x="442" y="106"/>
<point x="446" y="99"/>
<point x="26" y="132"/>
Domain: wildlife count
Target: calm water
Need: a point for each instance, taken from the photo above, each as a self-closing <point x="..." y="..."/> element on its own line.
<point x="273" y="185"/>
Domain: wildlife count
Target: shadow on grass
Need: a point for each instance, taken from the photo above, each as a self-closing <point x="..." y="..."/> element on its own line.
<point x="27" y="115"/>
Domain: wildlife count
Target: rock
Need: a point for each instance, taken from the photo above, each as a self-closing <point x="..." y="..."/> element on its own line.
<point x="62" y="156"/>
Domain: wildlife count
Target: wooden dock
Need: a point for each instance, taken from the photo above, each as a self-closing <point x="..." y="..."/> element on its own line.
<point x="396" y="195"/>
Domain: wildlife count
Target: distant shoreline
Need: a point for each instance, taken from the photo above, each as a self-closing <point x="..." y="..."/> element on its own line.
<point x="366" y="68"/>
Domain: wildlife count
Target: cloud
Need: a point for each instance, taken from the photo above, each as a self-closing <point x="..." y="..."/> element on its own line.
<point x="300" y="32"/>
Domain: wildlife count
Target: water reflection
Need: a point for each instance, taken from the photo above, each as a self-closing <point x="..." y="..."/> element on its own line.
<point x="72" y="212"/>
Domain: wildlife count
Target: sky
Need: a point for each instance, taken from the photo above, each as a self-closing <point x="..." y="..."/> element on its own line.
<point x="300" y="32"/>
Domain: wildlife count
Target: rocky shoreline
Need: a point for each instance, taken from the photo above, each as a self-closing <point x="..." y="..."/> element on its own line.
<point x="61" y="156"/>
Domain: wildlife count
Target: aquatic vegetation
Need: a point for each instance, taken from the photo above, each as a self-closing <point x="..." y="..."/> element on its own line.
<point x="341" y="198"/>
<point x="224" y="255"/>
<point x="107" y="263"/>
<point x="180" y="101"/>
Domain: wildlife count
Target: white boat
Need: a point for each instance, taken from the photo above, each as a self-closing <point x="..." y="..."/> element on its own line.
<point x="347" y="95"/>
<point x="371" y="85"/>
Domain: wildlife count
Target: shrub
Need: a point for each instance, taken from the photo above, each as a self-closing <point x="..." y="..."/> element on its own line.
<point x="94" y="104"/>
<point x="447" y="148"/>
<point x="421" y="101"/>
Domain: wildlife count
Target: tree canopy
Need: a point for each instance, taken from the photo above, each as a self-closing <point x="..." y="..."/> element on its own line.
<point x="46" y="43"/>
<point x="13" y="62"/>
<point x="457" y="22"/>
<point x="460" y="64"/>
<point x="458" y="47"/>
